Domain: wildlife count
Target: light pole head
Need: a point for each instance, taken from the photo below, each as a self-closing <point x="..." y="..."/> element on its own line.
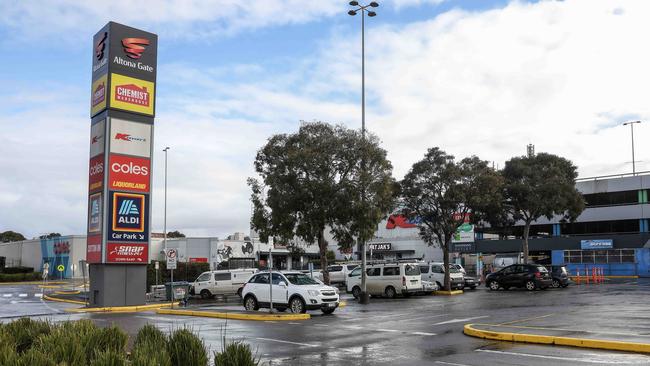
<point x="374" y="4"/>
<point x="165" y="149"/>
<point x="372" y="14"/>
<point x="354" y="3"/>
<point x="630" y="123"/>
<point x="352" y="12"/>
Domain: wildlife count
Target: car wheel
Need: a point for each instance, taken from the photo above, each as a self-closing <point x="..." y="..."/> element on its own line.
<point x="530" y="285"/>
<point x="297" y="305"/>
<point x="556" y="284"/>
<point x="565" y="286"/>
<point x="205" y="294"/>
<point x="328" y="311"/>
<point x="356" y="292"/>
<point x="250" y="303"/>
<point x="494" y="285"/>
<point x="390" y="292"/>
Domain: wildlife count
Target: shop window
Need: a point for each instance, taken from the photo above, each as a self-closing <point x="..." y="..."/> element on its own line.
<point x="627" y="256"/>
<point x="587" y="256"/>
<point x="600" y="256"/>
<point x="573" y="256"/>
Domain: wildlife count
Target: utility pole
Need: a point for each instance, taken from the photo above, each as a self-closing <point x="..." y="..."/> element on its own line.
<point x="632" y="131"/>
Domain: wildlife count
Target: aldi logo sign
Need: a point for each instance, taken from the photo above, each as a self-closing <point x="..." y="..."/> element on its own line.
<point x="95" y="214"/>
<point x="128" y="217"/>
<point x="126" y="253"/>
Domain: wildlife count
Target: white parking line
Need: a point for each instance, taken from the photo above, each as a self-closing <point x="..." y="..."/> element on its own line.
<point x="22" y="295"/>
<point x="38" y="295"/>
<point x="353" y="327"/>
<point x="387" y="330"/>
<point x="572" y="359"/>
<point x="288" y="342"/>
<point x="7" y="295"/>
<point x="423" y="333"/>
<point x="451" y="363"/>
<point x="294" y="323"/>
<point x="321" y="325"/>
<point x="461" y="320"/>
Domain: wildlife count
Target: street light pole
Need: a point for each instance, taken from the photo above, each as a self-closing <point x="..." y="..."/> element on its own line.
<point x="632" y="130"/>
<point x="364" y="298"/>
<point x="165" y="214"/>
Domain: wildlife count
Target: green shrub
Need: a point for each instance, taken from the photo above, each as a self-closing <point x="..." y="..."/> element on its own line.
<point x="24" y="332"/>
<point x="150" y="335"/>
<point x="106" y="339"/>
<point x="186" y="349"/>
<point x="235" y="354"/>
<point x="148" y="353"/>
<point x="108" y="358"/>
<point x="8" y="355"/>
<point x="34" y="357"/>
<point x="18" y="277"/>
<point x="67" y="342"/>
<point x="12" y="270"/>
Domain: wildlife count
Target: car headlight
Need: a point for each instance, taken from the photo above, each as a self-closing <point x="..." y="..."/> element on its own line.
<point x="313" y="293"/>
<point x="336" y="290"/>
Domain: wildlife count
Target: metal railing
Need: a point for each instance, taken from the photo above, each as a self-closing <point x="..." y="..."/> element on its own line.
<point x="621" y="175"/>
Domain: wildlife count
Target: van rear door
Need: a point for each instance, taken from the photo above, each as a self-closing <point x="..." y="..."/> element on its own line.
<point x="223" y="283"/>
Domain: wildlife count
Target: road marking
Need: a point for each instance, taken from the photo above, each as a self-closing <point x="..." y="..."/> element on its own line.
<point x="573" y="359"/>
<point x="288" y="342"/>
<point x="423" y="333"/>
<point x="6" y="295"/>
<point x="450" y="363"/>
<point x="321" y="325"/>
<point x="420" y="317"/>
<point x="38" y="295"/>
<point x="294" y="323"/>
<point x="269" y="321"/>
<point x="461" y="320"/>
<point x="22" y="295"/>
<point x="387" y="330"/>
<point x="353" y="327"/>
<point x="526" y="319"/>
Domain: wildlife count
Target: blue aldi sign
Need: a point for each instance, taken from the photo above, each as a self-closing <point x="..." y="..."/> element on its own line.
<point x="597" y="244"/>
<point x="129" y="217"/>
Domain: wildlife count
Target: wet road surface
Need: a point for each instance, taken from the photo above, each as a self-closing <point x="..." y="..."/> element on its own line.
<point x="424" y="330"/>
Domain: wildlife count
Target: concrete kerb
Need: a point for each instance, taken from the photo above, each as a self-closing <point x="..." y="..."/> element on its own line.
<point x="29" y="283"/>
<point x="111" y="309"/>
<point x="471" y="330"/>
<point x="448" y="293"/>
<point x="58" y="299"/>
<point x="235" y="316"/>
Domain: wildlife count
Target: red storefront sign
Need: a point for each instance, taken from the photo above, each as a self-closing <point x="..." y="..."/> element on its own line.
<point x="96" y="173"/>
<point x="94" y="249"/>
<point x="199" y="260"/>
<point x="129" y="173"/>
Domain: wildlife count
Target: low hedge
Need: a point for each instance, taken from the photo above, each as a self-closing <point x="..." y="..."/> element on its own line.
<point x="19" y="277"/>
<point x="12" y="270"/>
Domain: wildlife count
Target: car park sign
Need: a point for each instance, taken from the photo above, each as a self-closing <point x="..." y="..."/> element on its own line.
<point x="172" y="256"/>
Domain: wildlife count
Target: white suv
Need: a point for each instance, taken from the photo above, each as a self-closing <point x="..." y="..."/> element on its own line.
<point x="291" y="290"/>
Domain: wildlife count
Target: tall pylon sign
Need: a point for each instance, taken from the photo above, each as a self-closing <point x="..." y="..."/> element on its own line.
<point x="122" y="110"/>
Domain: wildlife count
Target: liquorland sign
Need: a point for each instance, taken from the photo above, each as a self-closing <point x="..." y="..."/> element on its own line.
<point x="122" y="107"/>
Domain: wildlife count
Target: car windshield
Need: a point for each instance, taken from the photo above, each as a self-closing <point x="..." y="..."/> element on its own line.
<point x="542" y="269"/>
<point x="300" y="279"/>
<point x="411" y="270"/>
<point x="453" y="270"/>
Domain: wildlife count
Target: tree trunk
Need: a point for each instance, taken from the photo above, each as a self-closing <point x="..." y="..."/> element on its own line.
<point x="322" y="246"/>
<point x="445" y="261"/>
<point x="525" y="246"/>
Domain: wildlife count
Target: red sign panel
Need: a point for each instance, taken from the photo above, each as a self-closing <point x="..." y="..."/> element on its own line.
<point x="129" y="173"/>
<point x="126" y="253"/>
<point x="94" y="249"/>
<point x="399" y="221"/>
<point x="96" y="173"/>
<point x="199" y="260"/>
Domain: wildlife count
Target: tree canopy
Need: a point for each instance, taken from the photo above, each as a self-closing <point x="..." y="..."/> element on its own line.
<point x="323" y="176"/>
<point x="50" y="236"/>
<point x="175" y="234"/>
<point x="444" y="193"/>
<point x="541" y="185"/>
<point x="9" y="235"/>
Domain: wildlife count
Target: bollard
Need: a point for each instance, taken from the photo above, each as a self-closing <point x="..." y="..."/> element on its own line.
<point x="587" y="275"/>
<point x="593" y="275"/>
<point x="577" y="276"/>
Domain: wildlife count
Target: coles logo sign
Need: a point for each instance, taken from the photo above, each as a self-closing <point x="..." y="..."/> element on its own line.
<point x="129" y="173"/>
<point x="127" y="253"/>
<point x="96" y="173"/>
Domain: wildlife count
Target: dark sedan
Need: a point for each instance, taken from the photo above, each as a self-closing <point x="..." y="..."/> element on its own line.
<point x="528" y="276"/>
<point x="559" y="275"/>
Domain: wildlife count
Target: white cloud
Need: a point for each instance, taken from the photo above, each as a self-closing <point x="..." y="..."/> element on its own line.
<point x="561" y="75"/>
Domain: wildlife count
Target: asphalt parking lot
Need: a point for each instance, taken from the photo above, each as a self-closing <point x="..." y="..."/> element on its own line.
<point x="410" y="331"/>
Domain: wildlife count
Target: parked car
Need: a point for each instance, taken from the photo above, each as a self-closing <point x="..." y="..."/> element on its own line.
<point x="435" y="272"/>
<point x="471" y="282"/>
<point x="387" y="279"/>
<point x="291" y="290"/>
<point x="339" y="272"/>
<point x="428" y="287"/>
<point x="220" y="282"/>
<point x="528" y="276"/>
<point x="458" y="267"/>
<point x="559" y="275"/>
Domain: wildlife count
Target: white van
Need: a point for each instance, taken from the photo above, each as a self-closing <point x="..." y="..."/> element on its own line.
<point x="221" y="282"/>
<point x="435" y="272"/>
<point x="387" y="279"/>
<point x="339" y="272"/>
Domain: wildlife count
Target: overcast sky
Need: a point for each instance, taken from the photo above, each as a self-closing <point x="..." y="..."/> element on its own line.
<point x="484" y="81"/>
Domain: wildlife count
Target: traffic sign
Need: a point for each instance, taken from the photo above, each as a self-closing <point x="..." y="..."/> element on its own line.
<point x="171" y="256"/>
<point x="60" y="268"/>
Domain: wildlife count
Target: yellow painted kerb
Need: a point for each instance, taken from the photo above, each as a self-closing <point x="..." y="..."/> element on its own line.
<point x="559" y="341"/>
<point x="63" y="300"/>
<point x="449" y="293"/>
<point x="120" y="309"/>
<point x="236" y="316"/>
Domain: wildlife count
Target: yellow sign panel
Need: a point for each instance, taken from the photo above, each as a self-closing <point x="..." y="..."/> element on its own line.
<point x="98" y="95"/>
<point x="131" y="94"/>
<point x="60" y="268"/>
